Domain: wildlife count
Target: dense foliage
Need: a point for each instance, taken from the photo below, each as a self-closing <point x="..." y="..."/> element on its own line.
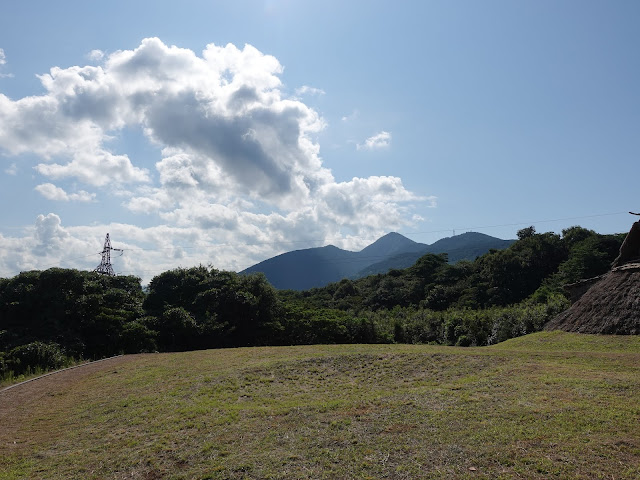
<point x="48" y="318"/>
<point x="204" y="308"/>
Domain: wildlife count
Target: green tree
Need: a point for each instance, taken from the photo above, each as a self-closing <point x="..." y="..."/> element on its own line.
<point x="227" y="309"/>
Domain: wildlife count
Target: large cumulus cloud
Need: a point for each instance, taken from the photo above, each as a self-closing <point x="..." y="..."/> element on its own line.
<point x="238" y="160"/>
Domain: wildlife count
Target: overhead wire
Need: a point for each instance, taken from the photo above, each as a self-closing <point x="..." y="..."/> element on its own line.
<point x="519" y="223"/>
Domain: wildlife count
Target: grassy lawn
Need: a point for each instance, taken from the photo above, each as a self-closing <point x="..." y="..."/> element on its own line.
<point x="548" y="405"/>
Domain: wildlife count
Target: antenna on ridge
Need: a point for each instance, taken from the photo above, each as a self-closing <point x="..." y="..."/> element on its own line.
<point x="105" y="267"/>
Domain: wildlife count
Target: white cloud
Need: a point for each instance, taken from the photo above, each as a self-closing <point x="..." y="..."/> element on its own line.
<point x="376" y="142"/>
<point x="307" y="90"/>
<point x="224" y="106"/>
<point x="49" y="235"/>
<point x="82" y="196"/>
<point x="95" y="55"/>
<point x="99" y="168"/>
<point x="48" y="243"/>
<point x="239" y="176"/>
<point x="373" y="204"/>
<point x="51" y="192"/>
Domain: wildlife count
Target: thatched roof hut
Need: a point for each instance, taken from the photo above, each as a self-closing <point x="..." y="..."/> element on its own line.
<point x="610" y="306"/>
<point x="609" y="303"/>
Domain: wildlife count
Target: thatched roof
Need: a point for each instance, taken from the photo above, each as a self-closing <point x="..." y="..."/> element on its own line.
<point x="610" y="306"/>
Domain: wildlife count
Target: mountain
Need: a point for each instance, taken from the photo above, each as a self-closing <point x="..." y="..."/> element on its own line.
<point x="391" y="244"/>
<point x="308" y="268"/>
<point x="466" y="246"/>
<point x="317" y="267"/>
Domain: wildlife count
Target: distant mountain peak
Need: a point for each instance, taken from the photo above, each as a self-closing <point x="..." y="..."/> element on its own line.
<point x="390" y="244"/>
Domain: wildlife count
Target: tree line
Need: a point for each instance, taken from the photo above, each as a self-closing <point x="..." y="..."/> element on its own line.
<point x="50" y="318"/>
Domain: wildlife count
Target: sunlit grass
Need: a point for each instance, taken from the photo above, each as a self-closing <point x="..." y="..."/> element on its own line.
<point x="549" y="405"/>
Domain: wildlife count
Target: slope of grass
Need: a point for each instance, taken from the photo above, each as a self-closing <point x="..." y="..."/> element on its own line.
<point x="548" y="405"/>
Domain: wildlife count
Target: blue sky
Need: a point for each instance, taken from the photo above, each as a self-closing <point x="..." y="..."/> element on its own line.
<point x="223" y="133"/>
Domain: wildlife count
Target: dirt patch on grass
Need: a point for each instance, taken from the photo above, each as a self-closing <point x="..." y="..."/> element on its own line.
<point x="20" y="404"/>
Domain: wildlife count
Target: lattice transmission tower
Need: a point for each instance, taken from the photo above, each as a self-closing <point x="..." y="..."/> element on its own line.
<point x="105" y="267"/>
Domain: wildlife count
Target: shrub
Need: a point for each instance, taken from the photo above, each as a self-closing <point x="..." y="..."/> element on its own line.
<point x="137" y="337"/>
<point x="35" y="356"/>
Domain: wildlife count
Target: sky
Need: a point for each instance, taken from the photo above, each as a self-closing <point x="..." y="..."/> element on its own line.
<point x="223" y="133"/>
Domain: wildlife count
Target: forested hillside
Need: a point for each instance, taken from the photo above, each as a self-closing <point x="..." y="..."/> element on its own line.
<point x="48" y="318"/>
<point x="536" y="265"/>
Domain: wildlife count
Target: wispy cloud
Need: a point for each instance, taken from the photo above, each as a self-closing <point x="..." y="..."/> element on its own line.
<point x="307" y="90"/>
<point x="3" y="61"/>
<point x="352" y="116"/>
<point x="376" y="142"/>
<point x="95" y="55"/>
<point x="11" y="169"/>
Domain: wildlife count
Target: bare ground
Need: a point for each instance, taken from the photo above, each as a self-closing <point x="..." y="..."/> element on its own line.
<point x="18" y="402"/>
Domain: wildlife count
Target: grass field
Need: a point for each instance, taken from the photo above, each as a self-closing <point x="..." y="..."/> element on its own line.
<point x="548" y="405"/>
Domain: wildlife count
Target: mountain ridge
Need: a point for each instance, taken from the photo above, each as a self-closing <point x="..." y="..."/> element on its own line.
<point x="466" y="246"/>
<point x="316" y="267"/>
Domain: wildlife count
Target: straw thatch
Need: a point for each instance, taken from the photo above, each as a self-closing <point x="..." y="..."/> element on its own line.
<point x="610" y="306"/>
<point x="630" y="248"/>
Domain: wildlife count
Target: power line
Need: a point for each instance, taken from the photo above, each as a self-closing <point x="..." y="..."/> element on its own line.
<point x="520" y="223"/>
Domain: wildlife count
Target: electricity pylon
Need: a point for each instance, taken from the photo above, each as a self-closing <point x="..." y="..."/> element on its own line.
<point x="105" y="267"/>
